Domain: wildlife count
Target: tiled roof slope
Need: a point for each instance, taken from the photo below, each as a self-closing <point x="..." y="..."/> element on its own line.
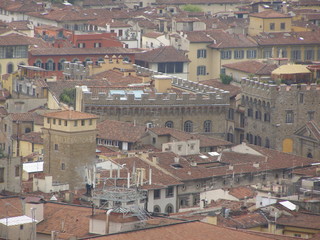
<point x="33" y="137"/>
<point x="120" y="131"/>
<point x="182" y="231"/>
<point x="10" y="207"/>
<point x="69" y="219"/>
<point x="80" y="51"/>
<point x="269" y="14"/>
<point x="252" y="66"/>
<point x="162" y="54"/>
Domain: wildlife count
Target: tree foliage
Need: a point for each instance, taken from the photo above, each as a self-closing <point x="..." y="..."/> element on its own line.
<point x="68" y="96"/>
<point x="191" y="8"/>
<point x="226" y="79"/>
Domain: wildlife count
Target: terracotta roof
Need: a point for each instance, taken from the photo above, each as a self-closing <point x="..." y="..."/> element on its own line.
<point x="182" y="231"/>
<point x="254" y="67"/>
<point x="70" y="115"/>
<point x="152" y="34"/>
<point x="314" y="128"/>
<point x="116" y="78"/>
<point x="80" y="51"/>
<point x="10" y="206"/>
<point x="120" y="131"/>
<point x="20" y="25"/>
<point x="244" y="221"/>
<point x="177" y="135"/>
<point x="269" y="14"/>
<point x="162" y="54"/>
<point x="179" y="2"/>
<point x="242" y="192"/>
<point x="302" y="220"/>
<point x="14" y="40"/>
<point x="290" y="38"/>
<point x="27" y="117"/>
<point x="71" y="220"/>
<point x="220" y="39"/>
<point x="32" y="137"/>
<point x="232" y="89"/>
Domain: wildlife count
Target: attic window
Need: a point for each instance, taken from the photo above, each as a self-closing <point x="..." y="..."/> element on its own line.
<point x="176" y="165"/>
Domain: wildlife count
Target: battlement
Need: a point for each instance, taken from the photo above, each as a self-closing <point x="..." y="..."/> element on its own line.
<point x="158" y="99"/>
<point x="262" y="89"/>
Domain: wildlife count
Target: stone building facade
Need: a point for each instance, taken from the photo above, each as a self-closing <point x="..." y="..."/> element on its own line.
<point x="274" y="113"/>
<point x="69" y="146"/>
<point x="199" y="108"/>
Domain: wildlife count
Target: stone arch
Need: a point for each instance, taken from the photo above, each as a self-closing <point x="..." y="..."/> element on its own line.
<point x="156" y="209"/>
<point x="287" y="145"/>
<point x="169" y="208"/>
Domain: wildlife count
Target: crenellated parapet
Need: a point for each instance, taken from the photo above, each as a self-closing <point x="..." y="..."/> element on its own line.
<point x="158" y="99"/>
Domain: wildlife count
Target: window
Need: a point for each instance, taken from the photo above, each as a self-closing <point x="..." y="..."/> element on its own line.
<point x="282" y="26"/>
<point x="65" y="123"/>
<point x="90" y="122"/>
<point x="81" y="45"/>
<point x="289" y="116"/>
<point x="54" y="121"/>
<point x="63" y="166"/>
<point x="267" y="53"/>
<point x="169" y="124"/>
<point x="238" y="54"/>
<point x="60" y="121"/>
<point x="75" y="123"/>
<point x="169" y="192"/>
<point x="156" y="209"/>
<point x="174" y="67"/>
<point x="188" y="126"/>
<point x="154" y="140"/>
<point x="202" y="53"/>
<point x="310" y="115"/>
<point x="301" y="97"/>
<point x="10" y="68"/>
<point x="201" y="70"/>
<point x="251" y="54"/>
<point x="169" y="208"/>
<point x="156" y="194"/>
<point x="226" y="54"/>
<point x="258" y="115"/>
<point x="296" y="54"/>
<point x="309" y="55"/>
<point x="271" y="26"/>
<point x="5" y="127"/>
<point x="1" y="175"/>
<point x="282" y="53"/>
<point x="50" y="66"/>
<point x="56" y="147"/>
<point x="82" y="122"/>
<point x="97" y="45"/>
<point x="231" y="114"/>
<point x="17" y="171"/>
<point x="250" y="112"/>
<point x="267" y="117"/>
<point x="207" y="126"/>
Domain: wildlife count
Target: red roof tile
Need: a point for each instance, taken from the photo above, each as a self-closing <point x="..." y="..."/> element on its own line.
<point x="70" y="115"/>
<point x="269" y="14"/>
<point x="162" y="54"/>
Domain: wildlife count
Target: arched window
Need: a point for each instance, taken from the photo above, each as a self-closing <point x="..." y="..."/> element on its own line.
<point x="50" y="66"/>
<point x="309" y="155"/>
<point x="9" y="68"/>
<point x="188" y="126"/>
<point x="207" y="126"/>
<point x="86" y="61"/>
<point x="169" y="208"/>
<point x="230" y="135"/>
<point x="75" y="60"/>
<point x="169" y="124"/>
<point x="156" y="209"/>
<point x="38" y="63"/>
<point x="60" y="65"/>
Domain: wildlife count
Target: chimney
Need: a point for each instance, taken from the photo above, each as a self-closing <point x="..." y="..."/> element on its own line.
<point x="155" y="159"/>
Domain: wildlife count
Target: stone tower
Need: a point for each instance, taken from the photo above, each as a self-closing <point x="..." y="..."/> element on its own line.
<point x="69" y="146"/>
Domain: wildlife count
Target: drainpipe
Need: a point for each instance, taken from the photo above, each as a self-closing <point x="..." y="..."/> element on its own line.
<point x="107" y="220"/>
